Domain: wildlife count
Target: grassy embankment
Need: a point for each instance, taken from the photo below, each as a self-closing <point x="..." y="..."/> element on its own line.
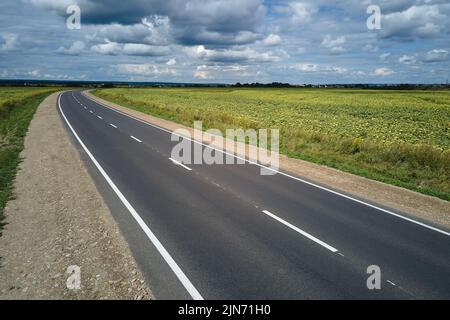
<point x="398" y="137"/>
<point x="17" y="107"/>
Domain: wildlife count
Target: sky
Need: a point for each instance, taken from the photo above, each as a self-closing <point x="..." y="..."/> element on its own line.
<point x="226" y="41"/>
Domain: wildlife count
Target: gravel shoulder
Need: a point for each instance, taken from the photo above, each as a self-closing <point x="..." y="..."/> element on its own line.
<point x="416" y="205"/>
<point x="58" y="219"/>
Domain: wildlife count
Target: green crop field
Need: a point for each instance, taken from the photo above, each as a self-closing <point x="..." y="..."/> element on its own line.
<point x="17" y="107"/>
<point x="399" y="137"/>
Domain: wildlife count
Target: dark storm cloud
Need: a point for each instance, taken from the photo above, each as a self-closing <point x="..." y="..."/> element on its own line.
<point x="190" y="22"/>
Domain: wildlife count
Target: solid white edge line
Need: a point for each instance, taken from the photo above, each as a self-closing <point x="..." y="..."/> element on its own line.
<point x="112" y="125"/>
<point x="135" y="139"/>
<point x="179" y="164"/>
<point x="279" y="172"/>
<point x="304" y="233"/>
<point x="167" y="257"/>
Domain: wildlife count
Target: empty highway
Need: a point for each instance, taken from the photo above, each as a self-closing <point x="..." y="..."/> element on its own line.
<point x="226" y="232"/>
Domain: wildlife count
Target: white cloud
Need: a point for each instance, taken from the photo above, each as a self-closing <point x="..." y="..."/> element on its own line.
<point x="75" y="49"/>
<point x="436" y="55"/>
<point x="337" y="50"/>
<point x="272" y="40"/>
<point x="407" y="59"/>
<point x="220" y="38"/>
<point x="202" y="74"/>
<point x="424" y="21"/>
<point x="334" y="45"/>
<point x="216" y="71"/>
<point x="171" y="62"/>
<point x="382" y="72"/>
<point x="306" y="67"/>
<point x="34" y="73"/>
<point x="139" y="49"/>
<point x="144" y="69"/>
<point x="329" y="42"/>
<point x="111" y="48"/>
<point x="325" y="69"/>
<point x="135" y="49"/>
<point x="228" y="55"/>
<point x="301" y="12"/>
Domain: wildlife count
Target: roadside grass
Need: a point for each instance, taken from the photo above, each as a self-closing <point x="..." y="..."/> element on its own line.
<point x="17" y="107"/>
<point x="397" y="137"/>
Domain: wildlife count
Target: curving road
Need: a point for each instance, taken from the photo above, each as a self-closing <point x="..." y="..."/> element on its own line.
<point x="226" y="232"/>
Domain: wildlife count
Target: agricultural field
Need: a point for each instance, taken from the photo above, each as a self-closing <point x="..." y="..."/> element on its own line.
<point x="398" y="137"/>
<point x="17" y="107"/>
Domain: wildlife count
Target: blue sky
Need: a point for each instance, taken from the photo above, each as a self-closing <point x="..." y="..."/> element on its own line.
<point x="227" y="41"/>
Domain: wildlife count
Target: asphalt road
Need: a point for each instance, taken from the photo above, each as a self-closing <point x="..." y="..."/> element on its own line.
<point x="226" y="232"/>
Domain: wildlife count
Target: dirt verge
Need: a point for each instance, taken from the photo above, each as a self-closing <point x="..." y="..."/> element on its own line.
<point x="415" y="204"/>
<point x="58" y="220"/>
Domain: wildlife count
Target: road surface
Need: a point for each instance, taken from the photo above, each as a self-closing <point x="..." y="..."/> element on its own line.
<point x="226" y="232"/>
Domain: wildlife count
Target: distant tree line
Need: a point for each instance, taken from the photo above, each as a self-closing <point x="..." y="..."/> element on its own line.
<point x="114" y="84"/>
<point x="401" y="86"/>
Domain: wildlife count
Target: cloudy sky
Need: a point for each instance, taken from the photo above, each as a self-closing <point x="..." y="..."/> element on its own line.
<point x="311" y="41"/>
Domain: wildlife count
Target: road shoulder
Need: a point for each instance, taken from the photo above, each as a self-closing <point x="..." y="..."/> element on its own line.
<point x="416" y="205"/>
<point x="57" y="220"/>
